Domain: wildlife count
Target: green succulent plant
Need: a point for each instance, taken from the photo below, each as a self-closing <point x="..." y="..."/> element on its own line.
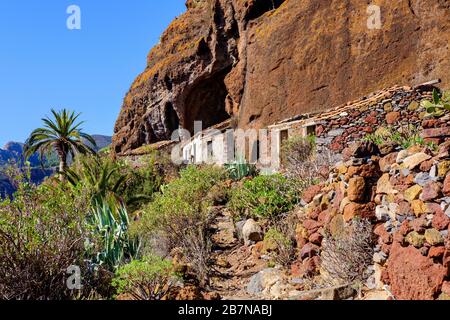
<point x="110" y="224"/>
<point x="439" y="104"/>
<point x="240" y="169"/>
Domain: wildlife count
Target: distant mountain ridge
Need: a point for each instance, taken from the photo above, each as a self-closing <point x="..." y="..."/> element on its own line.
<point x="12" y="152"/>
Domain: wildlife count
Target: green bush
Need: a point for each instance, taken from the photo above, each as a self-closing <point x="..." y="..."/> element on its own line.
<point x="118" y="180"/>
<point x="179" y="216"/>
<point x="285" y="250"/>
<point x="404" y="137"/>
<point x="149" y="279"/>
<point x="100" y="176"/>
<point x="142" y="182"/>
<point x="265" y="197"/>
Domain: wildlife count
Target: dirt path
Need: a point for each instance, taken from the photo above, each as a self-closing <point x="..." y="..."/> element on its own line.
<point x="234" y="262"/>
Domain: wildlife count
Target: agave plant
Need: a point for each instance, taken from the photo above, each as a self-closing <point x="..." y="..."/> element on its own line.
<point x="439" y="105"/>
<point x="240" y="169"/>
<point x="110" y="223"/>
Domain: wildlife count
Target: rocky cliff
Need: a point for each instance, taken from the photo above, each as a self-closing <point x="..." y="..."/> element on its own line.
<point x="260" y="61"/>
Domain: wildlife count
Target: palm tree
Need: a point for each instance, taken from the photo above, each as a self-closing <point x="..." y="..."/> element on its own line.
<point x="62" y="135"/>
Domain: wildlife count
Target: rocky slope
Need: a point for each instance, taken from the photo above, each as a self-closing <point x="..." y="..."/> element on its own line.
<point x="260" y="61"/>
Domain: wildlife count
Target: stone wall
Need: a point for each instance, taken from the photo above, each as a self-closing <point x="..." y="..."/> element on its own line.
<point x="406" y="196"/>
<point x="404" y="193"/>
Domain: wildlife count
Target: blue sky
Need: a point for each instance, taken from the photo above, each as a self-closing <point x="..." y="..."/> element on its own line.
<point x="45" y="65"/>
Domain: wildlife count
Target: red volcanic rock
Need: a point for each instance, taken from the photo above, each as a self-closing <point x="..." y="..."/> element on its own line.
<point x="385" y="236"/>
<point x="413" y="276"/>
<point x="436" y="252"/>
<point x="249" y="58"/>
<point x="311" y="225"/>
<point x="392" y="117"/>
<point x="387" y="161"/>
<point x="309" y="250"/>
<point x="311" y="192"/>
<point x="356" y="189"/>
<point x="446" y="288"/>
<point x="353" y="210"/>
<point x="446" y="186"/>
<point x="430" y="191"/>
<point x="426" y="165"/>
<point x="440" y="220"/>
<point x="316" y="238"/>
<point x="430" y="123"/>
<point x="371" y="120"/>
<point x="436" y="133"/>
<point x="404" y="228"/>
<point x="324" y="217"/>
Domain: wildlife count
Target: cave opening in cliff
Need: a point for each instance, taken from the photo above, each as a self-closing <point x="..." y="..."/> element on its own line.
<point x="172" y="121"/>
<point x="261" y="7"/>
<point x="206" y="102"/>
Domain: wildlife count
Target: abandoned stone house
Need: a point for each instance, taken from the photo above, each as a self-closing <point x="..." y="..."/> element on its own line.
<point x="334" y="129"/>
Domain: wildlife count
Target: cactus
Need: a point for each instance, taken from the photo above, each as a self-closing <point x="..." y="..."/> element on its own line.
<point x="439" y="105"/>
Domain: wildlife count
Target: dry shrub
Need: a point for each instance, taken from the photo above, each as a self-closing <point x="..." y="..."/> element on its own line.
<point x="42" y="234"/>
<point x="179" y="217"/>
<point x="282" y="235"/>
<point x="301" y="159"/>
<point x="345" y="259"/>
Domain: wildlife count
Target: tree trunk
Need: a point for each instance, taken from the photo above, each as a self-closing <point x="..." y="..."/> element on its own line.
<point x="62" y="154"/>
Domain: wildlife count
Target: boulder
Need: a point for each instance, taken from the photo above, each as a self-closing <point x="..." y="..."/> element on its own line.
<point x="263" y="280"/>
<point x="446" y="186"/>
<point x="356" y="189"/>
<point x="252" y="232"/>
<point x="440" y="220"/>
<point x="436" y="132"/>
<point x="412" y="193"/>
<point x="416" y="159"/>
<point x="387" y="161"/>
<point x="392" y="117"/>
<point x="384" y="185"/>
<point x="430" y="191"/>
<point x="433" y="237"/>
<point x="413" y="276"/>
<point x="309" y="194"/>
<point x="309" y="250"/>
<point x="415" y="239"/>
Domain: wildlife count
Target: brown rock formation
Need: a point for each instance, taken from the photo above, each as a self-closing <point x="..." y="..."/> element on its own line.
<point x="265" y="60"/>
<point x="413" y="276"/>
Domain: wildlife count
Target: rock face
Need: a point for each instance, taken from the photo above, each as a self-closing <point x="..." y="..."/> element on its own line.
<point x="413" y="276"/>
<point x="260" y="61"/>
